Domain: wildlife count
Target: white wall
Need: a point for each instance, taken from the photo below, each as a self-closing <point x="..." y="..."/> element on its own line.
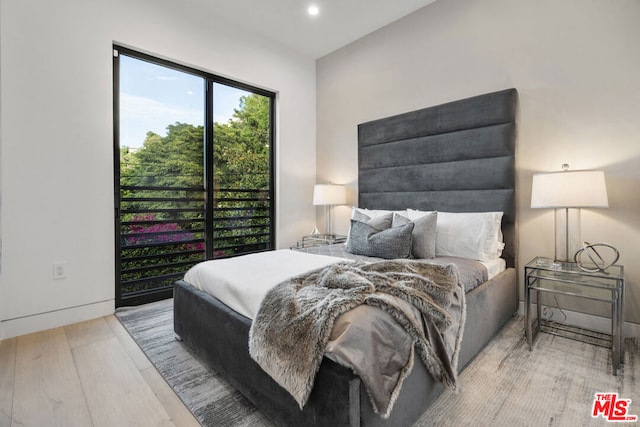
<point x="576" y="65"/>
<point x="57" y="145"/>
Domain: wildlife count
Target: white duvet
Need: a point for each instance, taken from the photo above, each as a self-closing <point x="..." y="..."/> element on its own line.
<point x="242" y="282"/>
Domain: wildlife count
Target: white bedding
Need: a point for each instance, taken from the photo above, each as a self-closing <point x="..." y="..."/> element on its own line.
<point x="242" y="282"/>
<point x="494" y="266"/>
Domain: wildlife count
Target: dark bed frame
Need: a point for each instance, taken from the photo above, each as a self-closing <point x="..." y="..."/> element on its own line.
<point x="455" y="157"/>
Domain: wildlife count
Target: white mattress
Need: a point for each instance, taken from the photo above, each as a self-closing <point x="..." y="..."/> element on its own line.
<point x="242" y="282"/>
<point x="494" y="267"/>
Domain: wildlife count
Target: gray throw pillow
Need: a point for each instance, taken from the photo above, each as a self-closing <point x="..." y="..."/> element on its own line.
<point x="379" y="223"/>
<point x="389" y="244"/>
<point x="424" y="234"/>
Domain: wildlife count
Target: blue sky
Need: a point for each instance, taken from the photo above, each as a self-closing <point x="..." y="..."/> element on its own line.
<point x="153" y="97"/>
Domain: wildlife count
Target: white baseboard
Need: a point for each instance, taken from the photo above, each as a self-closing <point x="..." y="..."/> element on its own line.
<point x="588" y="321"/>
<point x="41" y="321"/>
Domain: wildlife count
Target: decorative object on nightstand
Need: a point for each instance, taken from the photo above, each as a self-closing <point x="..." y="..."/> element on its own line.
<point x="597" y="262"/>
<point x="568" y="190"/>
<point x="329" y="195"/>
<point x="544" y="275"/>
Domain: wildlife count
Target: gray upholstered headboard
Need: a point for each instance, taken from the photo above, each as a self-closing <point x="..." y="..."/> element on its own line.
<point x="454" y="157"/>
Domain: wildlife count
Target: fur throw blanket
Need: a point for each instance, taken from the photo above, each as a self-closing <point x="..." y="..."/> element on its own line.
<point x="289" y="335"/>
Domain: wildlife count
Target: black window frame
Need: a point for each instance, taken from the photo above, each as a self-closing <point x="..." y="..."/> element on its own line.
<point x="210" y="79"/>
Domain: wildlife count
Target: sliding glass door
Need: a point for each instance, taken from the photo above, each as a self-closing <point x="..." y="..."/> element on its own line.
<point x="193" y="172"/>
<point x="241" y="179"/>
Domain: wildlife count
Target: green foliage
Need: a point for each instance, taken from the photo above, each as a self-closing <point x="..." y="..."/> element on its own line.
<point x="240" y="153"/>
<point x="241" y="146"/>
<point x="128" y="161"/>
<point x="174" y="160"/>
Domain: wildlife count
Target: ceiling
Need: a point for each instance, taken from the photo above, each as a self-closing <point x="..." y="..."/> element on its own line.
<point x="287" y="22"/>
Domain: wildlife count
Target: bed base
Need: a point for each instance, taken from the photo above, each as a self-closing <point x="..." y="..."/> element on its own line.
<point x="219" y="336"/>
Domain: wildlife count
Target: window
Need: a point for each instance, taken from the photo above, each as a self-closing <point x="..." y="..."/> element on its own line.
<point x="193" y="172"/>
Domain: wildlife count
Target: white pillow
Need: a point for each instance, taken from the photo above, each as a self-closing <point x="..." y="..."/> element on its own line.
<point x="415" y="214"/>
<point x="424" y="232"/>
<point x="374" y="213"/>
<point x="473" y="235"/>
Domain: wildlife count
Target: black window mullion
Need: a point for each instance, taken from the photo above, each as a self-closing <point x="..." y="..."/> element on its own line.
<point x="272" y="168"/>
<point x="208" y="170"/>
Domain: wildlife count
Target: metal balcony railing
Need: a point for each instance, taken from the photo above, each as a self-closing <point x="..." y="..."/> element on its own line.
<point x="163" y="231"/>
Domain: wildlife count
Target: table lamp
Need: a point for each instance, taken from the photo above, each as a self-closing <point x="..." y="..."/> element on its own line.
<point x="568" y="191"/>
<point x="329" y="195"/>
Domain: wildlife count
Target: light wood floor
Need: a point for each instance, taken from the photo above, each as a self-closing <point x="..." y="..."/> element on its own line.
<point x="87" y="374"/>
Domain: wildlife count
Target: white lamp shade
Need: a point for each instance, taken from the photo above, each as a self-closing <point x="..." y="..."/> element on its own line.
<point x="569" y="189"/>
<point x="329" y="194"/>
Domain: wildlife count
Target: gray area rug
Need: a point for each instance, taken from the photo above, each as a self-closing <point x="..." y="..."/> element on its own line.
<point x="506" y="385"/>
<point x="209" y="397"/>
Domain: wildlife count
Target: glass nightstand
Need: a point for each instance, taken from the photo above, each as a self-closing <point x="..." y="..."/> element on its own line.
<point x="318" y="240"/>
<point x="543" y="275"/>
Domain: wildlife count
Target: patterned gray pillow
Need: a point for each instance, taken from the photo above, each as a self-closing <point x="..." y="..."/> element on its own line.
<point x="389" y="244"/>
<point x="424" y="234"/>
<point x="381" y="222"/>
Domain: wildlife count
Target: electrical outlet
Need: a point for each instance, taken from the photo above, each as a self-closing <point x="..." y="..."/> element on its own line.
<point x="59" y="270"/>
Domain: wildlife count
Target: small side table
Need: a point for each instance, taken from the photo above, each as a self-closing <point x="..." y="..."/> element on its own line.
<point x="319" y="239"/>
<point x="543" y="275"/>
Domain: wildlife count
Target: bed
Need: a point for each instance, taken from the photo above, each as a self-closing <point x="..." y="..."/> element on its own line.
<point x="454" y="157"/>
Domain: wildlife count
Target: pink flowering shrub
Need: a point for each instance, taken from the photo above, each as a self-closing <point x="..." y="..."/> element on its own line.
<point x="160" y="233"/>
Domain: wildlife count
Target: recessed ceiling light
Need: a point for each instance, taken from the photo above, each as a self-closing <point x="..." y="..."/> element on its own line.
<point x="313" y="10"/>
